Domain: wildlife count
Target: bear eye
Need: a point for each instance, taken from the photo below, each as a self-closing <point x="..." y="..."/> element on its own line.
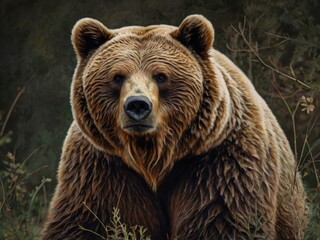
<point x="118" y="78"/>
<point x="160" y="78"/>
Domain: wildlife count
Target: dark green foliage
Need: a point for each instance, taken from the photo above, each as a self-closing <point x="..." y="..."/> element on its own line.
<point x="22" y="207"/>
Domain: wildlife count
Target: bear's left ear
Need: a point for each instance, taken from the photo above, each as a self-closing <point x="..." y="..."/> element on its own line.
<point x="87" y="35"/>
<point x="196" y="33"/>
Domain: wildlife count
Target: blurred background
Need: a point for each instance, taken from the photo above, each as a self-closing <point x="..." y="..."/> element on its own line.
<point x="276" y="43"/>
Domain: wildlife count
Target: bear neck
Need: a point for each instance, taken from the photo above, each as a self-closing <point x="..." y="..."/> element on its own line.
<point x="150" y="156"/>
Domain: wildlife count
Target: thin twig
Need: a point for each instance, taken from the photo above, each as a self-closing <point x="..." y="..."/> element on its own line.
<point x="288" y="96"/>
<point x="28" y="157"/>
<point x="241" y="32"/>
<point x="90" y="231"/>
<point x="314" y="165"/>
<point x="293" y="40"/>
<point x="11" y="109"/>
<point x="305" y="142"/>
<point x="104" y="226"/>
<point x="261" y="48"/>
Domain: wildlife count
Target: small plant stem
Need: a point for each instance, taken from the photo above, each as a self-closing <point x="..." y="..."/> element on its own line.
<point x="95" y="217"/>
<point x="35" y="194"/>
<point x="21" y="91"/>
<point x="90" y="231"/>
<point x="309" y="129"/>
<point x="314" y="166"/>
<point x="3" y="191"/>
<point x="293" y="118"/>
<point x="28" y="157"/>
<point x="19" y="181"/>
<point x="250" y="58"/>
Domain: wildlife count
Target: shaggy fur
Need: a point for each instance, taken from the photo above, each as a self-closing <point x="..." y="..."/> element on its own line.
<point x="214" y="165"/>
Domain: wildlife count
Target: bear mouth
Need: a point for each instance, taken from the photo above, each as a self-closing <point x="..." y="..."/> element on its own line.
<point x="138" y="127"/>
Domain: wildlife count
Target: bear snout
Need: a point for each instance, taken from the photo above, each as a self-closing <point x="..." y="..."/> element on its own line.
<point x="137" y="107"/>
<point x="137" y="116"/>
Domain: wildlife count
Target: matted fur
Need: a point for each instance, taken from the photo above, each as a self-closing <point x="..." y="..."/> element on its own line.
<point x="216" y="163"/>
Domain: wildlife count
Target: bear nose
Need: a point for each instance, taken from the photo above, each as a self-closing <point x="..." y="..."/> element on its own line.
<point x="137" y="107"/>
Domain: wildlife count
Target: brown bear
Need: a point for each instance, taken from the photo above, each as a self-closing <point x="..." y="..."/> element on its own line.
<point x="173" y="134"/>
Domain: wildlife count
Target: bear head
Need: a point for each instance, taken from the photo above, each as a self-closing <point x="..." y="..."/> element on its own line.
<point x="145" y="94"/>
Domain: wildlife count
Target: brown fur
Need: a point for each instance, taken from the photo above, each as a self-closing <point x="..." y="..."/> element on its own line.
<point x="215" y="163"/>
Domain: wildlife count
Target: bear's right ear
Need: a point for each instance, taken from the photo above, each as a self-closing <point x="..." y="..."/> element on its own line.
<point x="196" y="33"/>
<point x="87" y="35"/>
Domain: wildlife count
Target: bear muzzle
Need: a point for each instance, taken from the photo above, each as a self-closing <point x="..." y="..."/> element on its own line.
<point x="137" y="107"/>
<point x="137" y="110"/>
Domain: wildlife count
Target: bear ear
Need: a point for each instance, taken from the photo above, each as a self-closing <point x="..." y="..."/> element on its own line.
<point x="87" y="35"/>
<point x="196" y="33"/>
